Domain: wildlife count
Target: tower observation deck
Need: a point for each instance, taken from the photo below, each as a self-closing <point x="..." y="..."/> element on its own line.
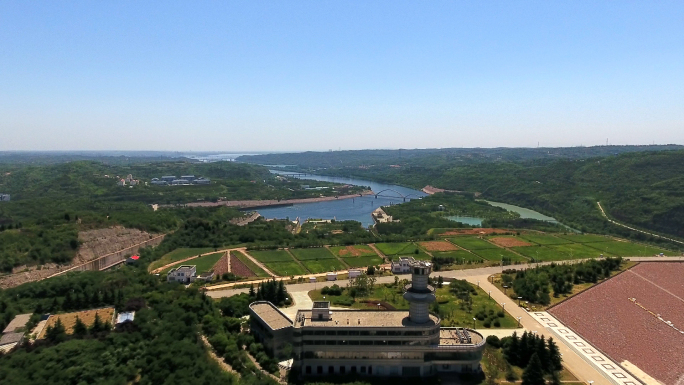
<point x="419" y="294"/>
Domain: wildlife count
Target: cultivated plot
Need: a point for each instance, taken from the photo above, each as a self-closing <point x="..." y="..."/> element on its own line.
<point x="544" y="239"/>
<point x="248" y="263"/>
<point x="206" y="262"/>
<point x="541" y="253"/>
<point x="472" y="243"/>
<point x="628" y="249"/>
<point x="578" y="251"/>
<point x="438" y="246"/>
<point x="177" y="255"/>
<point x="312" y="254"/>
<point x="458" y="256"/>
<point x="324" y="265"/>
<point x="286" y="269"/>
<point x="353" y="251"/>
<point x="498" y="254"/>
<point x="363" y="261"/>
<point x="266" y="256"/>
<point x="584" y="238"/>
<point x="509" y="241"/>
<point x="393" y="248"/>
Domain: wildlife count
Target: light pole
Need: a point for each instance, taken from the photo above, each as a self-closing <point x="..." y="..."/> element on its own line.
<point x="505" y="289"/>
<point x="478" y="283"/>
<point x="490" y="294"/>
<point x="503" y="306"/>
<point x="519" y="298"/>
<point x="519" y="321"/>
<point x="473" y="323"/>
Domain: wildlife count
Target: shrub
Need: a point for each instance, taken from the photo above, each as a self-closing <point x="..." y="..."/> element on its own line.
<point x="500" y="314"/>
<point x="497" y="323"/>
<point x="487" y="324"/>
<point x="494" y="342"/>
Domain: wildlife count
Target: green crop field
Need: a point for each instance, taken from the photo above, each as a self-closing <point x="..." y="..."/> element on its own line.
<point x="472" y="243"/>
<point x="178" y="255"/>
<point x="268" y="256"/>
<point x="286" y="269"/>
<point x="353" y="251"/>
<point x="497" y="254"/>
<point x="542" y="253"/>
<point x="363" y="261"/>
<point x="628" y="249"/>
<point x="458" y="256"/>
<point x="325" y="265"/>
<point x="252" y="266"/>
<point x="393" y="248"/>
<point x="206" y="262"/>
<point x="584" y="238"/>
<point x="312" y="254"/>
<point x="544" y="239"/>
<point x="578" y="251"/>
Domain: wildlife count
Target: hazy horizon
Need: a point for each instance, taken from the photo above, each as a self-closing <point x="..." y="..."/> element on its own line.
<point x="319" y="76"/>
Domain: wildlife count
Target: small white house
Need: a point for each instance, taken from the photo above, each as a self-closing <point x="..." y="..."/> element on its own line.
<point x="402" y="265"/>
<point x="312" y="279"/>
<point x="183" y="274"/>
<point x="331" y="276"/>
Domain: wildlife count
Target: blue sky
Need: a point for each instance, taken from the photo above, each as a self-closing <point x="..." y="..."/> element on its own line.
<point x="319" y="75"/>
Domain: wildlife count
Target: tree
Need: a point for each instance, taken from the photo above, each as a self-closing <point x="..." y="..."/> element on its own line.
<point x="252" y="294"/>
<point x="97" y="325"/>
<point x="56" y="333"/>
<point x="534" y="373"/>
<point x="361" y="285"/>
<point x="554" y="355"/>
<point x="80" y="329"/>
<point x="440" y="282"/>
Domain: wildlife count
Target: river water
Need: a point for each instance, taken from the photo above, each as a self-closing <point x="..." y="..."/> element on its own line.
<point x="360" y="208"/>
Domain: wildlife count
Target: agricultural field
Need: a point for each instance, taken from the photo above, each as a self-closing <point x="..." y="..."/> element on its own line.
<point x="177" y="255"/>
<point x="106" y="314"/>
<point x="627" y="329"/>
<point x="353" y="251"/>
<point x="544" y="239"/>
<point x="584" y="238"/>
<point x="472" y="243"/>
<point x="498" y="253"/>
<point x="238" y="267"/>
<point x="394" y="248"/>
<point x="312" y="254"/>
<point x="324" y="265"/>
<point x="259" y="272"/>
<point x="542" y="253"/>
<point x="364" y="261"/>
<point x="509" y="241"/>
<point x="438" y="246"/>
<point x="578" y="250"/>
<point x="286" y="269"/>
<point x="458" y="256"/>
<point x="628" y="249"/>
<point x="206" y="262"/>
<point x="267" y="256"/>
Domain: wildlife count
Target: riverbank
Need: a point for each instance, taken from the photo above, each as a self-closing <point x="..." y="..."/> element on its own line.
<point x="252" y="204"/>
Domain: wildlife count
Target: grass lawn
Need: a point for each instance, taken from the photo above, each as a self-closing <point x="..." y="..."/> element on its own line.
<point x="584" y="238"/>
<point x="286" y="269"/>
<point x="363" y="261"/>
<point x="472" y="243"/>
<point x="267" y="256"/>
<point x="493" y="364"/>
<point x="628" y="249"/>
<point x="252" y="266"/>
<point x="544" y="239"/>
<point x="542" y="253"/>
<point x="498" y="253"/>
<point x="353" y="251"/>
<point x="206" y="262"/>
<point x="178" y="255"/>
<point x="578" y="251"/>
<point x="458" y="256"/>
<point x="393" y="248"/>
<point x="325" y="265"/>
<point x="312" y="254"/>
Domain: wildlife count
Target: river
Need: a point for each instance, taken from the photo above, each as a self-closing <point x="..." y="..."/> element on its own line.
<point x="360" y="208"/>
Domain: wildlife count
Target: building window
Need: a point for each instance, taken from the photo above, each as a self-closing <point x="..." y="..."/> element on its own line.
<point x="331" y="370"/>
<point x="308" y="369"/>
<point x="343" y="369"/>
<point x="353" y="369"/>
<point x="370" y="370"/>
<point x="319" y="370"/>
<point x="363" y="370"/>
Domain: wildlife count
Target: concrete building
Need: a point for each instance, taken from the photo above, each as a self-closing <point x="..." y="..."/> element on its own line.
<point x="201" y="181"/>
<point x="402" y="265"/>
<point x="158" y="182"/>
<point x="272" y="328"/>
<point x="183" y="274"/>
<point x="4" y="197"/>
<point x="411" y="343"/>
<point x="168" y="178"/>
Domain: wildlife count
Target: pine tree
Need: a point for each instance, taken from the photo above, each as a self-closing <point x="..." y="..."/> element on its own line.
<point x="56" y="333"/>
<point x="524" y="351"/>
<point x="281" y="293"/>
<point x="252" y="294"/>
<point x="541" y="351"/>
<point x="97" y="326"/>
<point x="80" y="329"/>
<point x="512" y="350"/>
<point x="554" y="355"/>
<point x="533" y="374"/>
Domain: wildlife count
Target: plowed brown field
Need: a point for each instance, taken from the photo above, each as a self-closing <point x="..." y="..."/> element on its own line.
<point x="631" y="330"/>
<point x="221" y="266"/>
<point x="438" y="246"/>
<point x="352" y="251"/>
<point x="508" y="242"/>
<point x="87" y="317"/>
<point x="484" y="231"/>
<point x="238" y="268"/>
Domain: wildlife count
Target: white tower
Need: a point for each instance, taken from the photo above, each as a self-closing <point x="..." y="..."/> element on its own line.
<point x="420" y="295"/>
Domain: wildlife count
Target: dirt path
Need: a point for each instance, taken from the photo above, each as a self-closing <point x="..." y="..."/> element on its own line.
<point x="383" y="256"/>
<point x="338" y="258"/>
<point x="261" y="265"/>
<point x="632" y="228"/>
<point x="254" y="361"/>
<point x="218" y="359"/>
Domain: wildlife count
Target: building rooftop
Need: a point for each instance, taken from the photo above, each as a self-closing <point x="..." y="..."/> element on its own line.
<point x="270" y="315"/>
<point x="18" y="322"/>
<point x="458" y="336"/>
<point x="183" y="268"/>
<point x="362" y="318"/>
<point x="125" y="316"/>
<point x="11" y="338"/>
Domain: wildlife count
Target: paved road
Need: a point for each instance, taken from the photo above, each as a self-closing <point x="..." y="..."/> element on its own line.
<point x="634" y="229"/>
